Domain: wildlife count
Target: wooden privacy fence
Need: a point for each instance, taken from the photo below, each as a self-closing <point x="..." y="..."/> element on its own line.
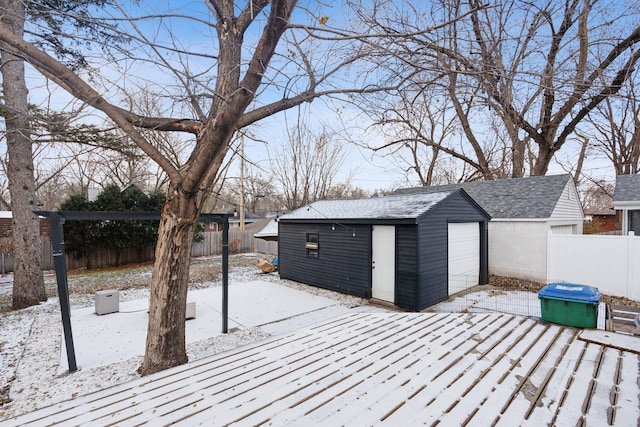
<point x="239" y="242"/>
<point x="610" y="263"/>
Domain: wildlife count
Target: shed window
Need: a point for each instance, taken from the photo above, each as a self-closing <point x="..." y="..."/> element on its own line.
<point x="311" y="245"/>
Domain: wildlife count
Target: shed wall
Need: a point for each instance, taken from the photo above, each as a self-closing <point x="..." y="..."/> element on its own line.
<point x="344" y="257"/>
<point x="433" y="247"/>
<point x="407" y="266"/>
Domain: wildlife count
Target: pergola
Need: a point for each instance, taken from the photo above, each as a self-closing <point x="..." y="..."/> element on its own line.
<point x="57" y="220"/>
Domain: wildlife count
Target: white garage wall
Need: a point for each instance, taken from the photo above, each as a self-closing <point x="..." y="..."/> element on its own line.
<point x="610" y="263"/>
<point x="518" y="249"/>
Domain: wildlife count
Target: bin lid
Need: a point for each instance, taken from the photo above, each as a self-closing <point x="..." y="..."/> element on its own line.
<point x="570" y="291"/>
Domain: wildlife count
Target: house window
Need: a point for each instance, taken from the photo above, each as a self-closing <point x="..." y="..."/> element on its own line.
<point x="311" y="245"/>
<point x="634" y="222"/>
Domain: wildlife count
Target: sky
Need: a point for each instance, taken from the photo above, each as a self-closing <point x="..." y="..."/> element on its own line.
<point x="364" y="168"/>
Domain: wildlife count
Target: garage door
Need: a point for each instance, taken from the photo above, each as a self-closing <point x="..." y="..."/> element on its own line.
<point x="562" y="229"/>
<point x="464" y="256"/>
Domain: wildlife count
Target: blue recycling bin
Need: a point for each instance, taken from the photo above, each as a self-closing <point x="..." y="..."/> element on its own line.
<point x="570" y="304"/>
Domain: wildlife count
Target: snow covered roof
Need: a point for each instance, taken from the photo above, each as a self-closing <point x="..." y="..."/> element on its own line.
<point x="269" y="230"/>
<point x="530" y="197"/>
<point x="398" y="206"/>
<point x="387" y="369"/>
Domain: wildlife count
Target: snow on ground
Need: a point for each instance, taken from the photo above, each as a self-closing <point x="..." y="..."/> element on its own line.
<point x="109" y="348"/>
<point x="119" y="336"/>
<point x="521" y="303"/>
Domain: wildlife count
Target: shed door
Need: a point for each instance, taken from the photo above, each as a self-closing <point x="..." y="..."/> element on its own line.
<point x="464" y="256"/>
<point x="383" y="262"/>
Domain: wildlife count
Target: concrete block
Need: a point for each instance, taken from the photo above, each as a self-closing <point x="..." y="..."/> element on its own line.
<point x="191" y="310"/>
<point x="107" y="302"/>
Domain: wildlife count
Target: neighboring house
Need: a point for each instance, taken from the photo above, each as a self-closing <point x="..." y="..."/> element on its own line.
<point x="626" y="199"/>
<point x="523" y="211"/>
<point x="410" y="250"/>
<point x="234" y="222"/>
<point x="604" y="220"/>
<point x="588" y="216"/>
<point x="249" y="218"/>
<point x="6" y="225"/>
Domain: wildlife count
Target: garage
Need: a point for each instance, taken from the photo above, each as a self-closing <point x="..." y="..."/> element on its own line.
<point x="563" y="229"/>
<point x="412" y="251"/>
<point x="463" y="256"/>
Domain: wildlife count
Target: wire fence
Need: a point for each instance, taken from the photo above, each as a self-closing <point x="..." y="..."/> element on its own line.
<point x="491" y="299"/>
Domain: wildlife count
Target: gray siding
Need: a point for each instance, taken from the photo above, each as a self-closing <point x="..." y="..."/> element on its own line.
<point x="344" y="257"/>
<point x="433" y="242"/>
<point x="568" y="207"/>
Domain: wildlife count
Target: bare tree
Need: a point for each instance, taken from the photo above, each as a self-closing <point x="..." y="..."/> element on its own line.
<point x="616" y="130"/>
<point x="420" y="129"/>
<point x="307" y="166"/>
<point x="596" y="194"/>
<point x="539" y="67"/>
<point x="219" y="93"/>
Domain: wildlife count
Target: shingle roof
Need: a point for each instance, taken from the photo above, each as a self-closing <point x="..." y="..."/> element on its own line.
<point x="627" y="188"/>
<point x="530" y="197"/>
<point x="270" y="229"/>
<point x="398" y="206"/>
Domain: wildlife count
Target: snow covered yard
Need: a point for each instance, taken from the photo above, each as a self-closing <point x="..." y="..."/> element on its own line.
<point x="109" y="348"/>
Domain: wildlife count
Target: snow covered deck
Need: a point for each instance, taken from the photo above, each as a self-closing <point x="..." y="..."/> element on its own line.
<point x="385" y="369"/>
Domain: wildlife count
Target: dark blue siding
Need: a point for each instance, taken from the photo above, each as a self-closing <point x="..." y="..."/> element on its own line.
<point x="344" y="261"/>
<point x="433" y="243"/>
<point x="344" y="257"/>
<point x="407" y="266"/>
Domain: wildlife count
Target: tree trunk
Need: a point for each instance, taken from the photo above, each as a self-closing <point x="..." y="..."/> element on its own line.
<point x="543" y="159"/>
<point x="165" y="346"/>
<point x="28" y="281"/>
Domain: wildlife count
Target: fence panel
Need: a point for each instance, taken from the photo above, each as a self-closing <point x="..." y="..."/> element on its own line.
<point x="266" y="247"/>
<point x="239" y="242"/>
<point x="610" y="263"/>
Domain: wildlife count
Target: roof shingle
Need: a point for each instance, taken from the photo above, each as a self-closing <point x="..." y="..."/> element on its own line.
<point x="398" y="206"/>
<point x="530" y="197"/>
<point x="627" y="188"/>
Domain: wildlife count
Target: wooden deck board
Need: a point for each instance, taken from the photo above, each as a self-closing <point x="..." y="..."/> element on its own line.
<point x="383" y="369"/>
<point x="626" y="388"/>
<point x="578" y="390"/>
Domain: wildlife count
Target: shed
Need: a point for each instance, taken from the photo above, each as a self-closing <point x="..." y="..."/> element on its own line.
<point x="626" y="199"/>
<point x="410" y="250"/>
<point x="523" y="211"/>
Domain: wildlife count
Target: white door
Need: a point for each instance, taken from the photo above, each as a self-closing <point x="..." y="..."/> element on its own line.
<point x="562" y="229"/>
<point x="383" y="262"/>
<point x="464" y="256"/>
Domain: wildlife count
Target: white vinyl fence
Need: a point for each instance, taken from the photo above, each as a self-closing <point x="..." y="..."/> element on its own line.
<point x="610" y="263"/>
